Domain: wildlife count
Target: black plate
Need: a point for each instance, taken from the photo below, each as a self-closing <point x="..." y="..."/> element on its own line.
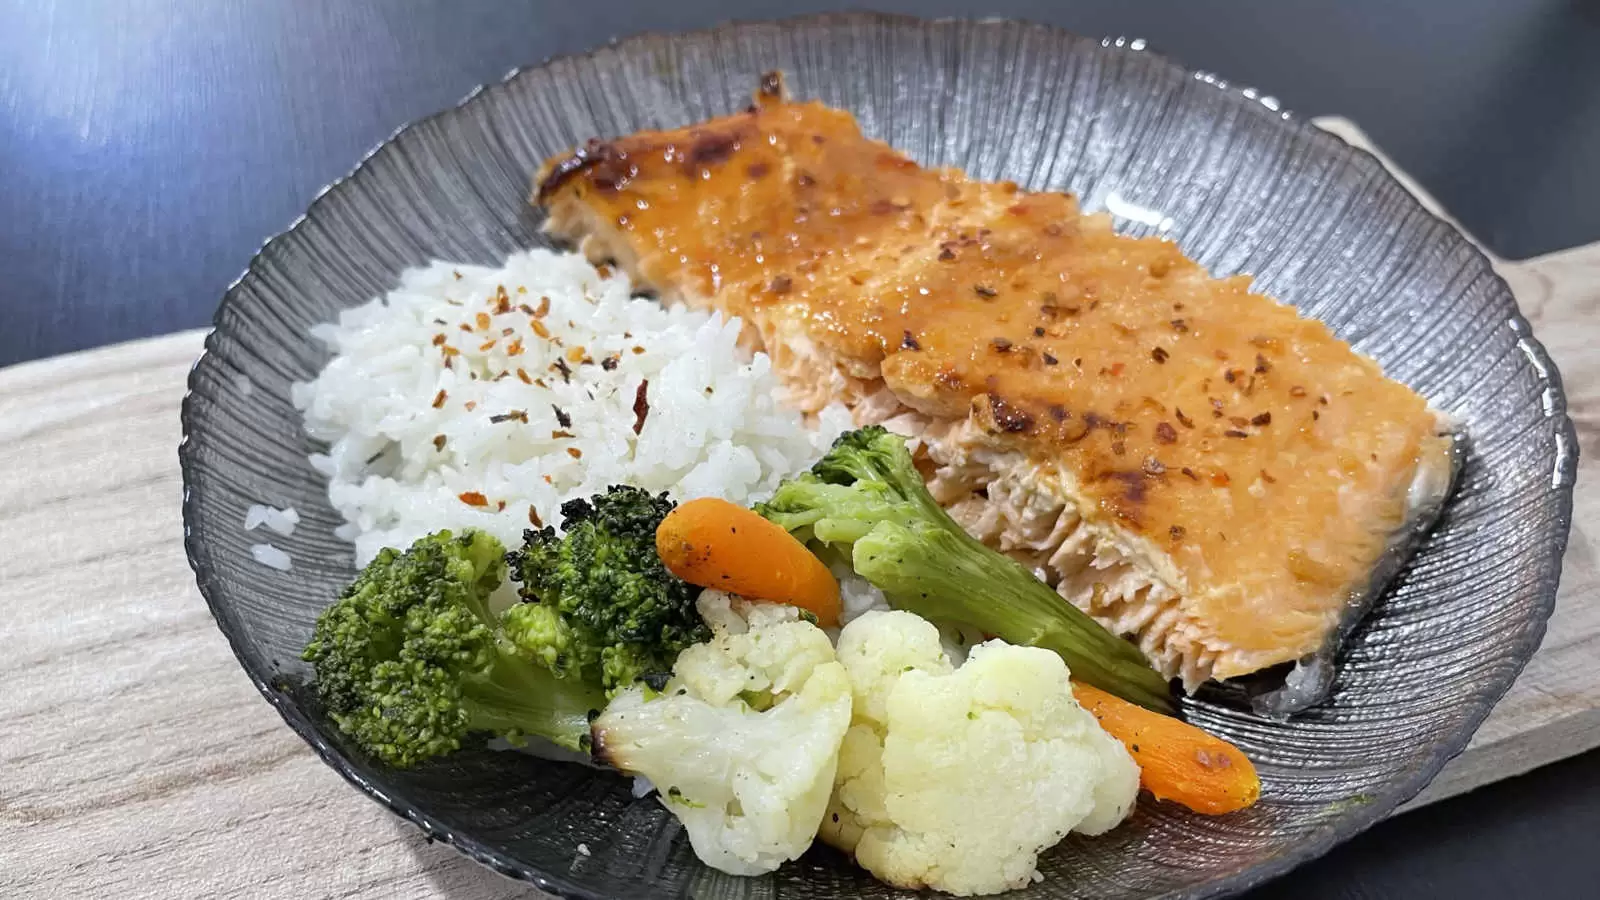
<point x="1241" y="186"/>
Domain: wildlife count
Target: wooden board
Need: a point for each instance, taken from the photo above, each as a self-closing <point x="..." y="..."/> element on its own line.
<point x="139" y="762"/>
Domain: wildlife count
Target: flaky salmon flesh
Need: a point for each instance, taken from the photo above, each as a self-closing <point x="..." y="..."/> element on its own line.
<point x="1195" y="465"/>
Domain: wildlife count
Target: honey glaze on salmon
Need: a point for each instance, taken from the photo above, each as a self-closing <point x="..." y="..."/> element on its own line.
<point x="1195" y="464"/>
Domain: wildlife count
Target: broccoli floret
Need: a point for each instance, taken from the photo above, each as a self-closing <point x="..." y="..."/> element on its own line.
<point x="409" y="660"/>
<point x="866" y="500"/>
<point x="599" y="605"/>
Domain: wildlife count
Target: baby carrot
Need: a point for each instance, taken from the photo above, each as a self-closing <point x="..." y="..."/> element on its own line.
<point x="1177" y="761"/>
<point x="716" y="544"/>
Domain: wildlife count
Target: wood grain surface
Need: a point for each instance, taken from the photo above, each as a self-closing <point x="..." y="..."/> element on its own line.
<point x="139" y="762"/>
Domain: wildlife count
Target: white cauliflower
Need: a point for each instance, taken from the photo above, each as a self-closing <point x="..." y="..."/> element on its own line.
<point x="743" y="742"/>
<point x="957" y="778"/>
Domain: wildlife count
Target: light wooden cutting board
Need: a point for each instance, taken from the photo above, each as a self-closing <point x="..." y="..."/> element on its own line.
<point x="137" y="761"/>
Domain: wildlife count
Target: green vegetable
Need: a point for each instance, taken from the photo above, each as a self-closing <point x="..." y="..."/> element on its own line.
<point x="409" y="661"/>
<point x="600" y="606"/>
<point x="865" y="499"/>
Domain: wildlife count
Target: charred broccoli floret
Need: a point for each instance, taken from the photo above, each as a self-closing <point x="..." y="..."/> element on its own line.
<point x="865" y="499"/>
<point x="598" y="604"/>
<point x="409" y="661"/>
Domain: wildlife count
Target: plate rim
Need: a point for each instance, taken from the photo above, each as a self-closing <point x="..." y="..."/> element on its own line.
<point x="1337" y="831"/>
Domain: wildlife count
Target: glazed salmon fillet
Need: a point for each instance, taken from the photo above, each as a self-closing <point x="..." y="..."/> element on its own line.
<point x="1197" y="466"/>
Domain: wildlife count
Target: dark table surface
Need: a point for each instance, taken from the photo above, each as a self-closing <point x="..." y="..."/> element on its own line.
<point x="147" y="147"/>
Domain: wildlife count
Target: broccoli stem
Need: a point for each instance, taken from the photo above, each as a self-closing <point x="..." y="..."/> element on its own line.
<point x="865" y="498"/>
<point x="519" y="698"/>
<point x="943" y="574"/>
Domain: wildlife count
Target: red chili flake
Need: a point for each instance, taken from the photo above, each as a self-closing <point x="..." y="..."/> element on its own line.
<point x="438" y="399"/>
<point x="1297" y="391"/>
<point x="1190" y="473"/>
<point x="575" y="453"/>
<point x="533" y="517"/>
<point x="1221" y="479"/>
<point x="438" y="442"/>
<point x="641" y="406"/>
<point x="438" y="340"/>
<point x="1159" y="355"/>
<point x="1262" y="419"/>
<point x="548" y="480"/>
<point x="1234" y="433"/>
<point x="1176" y="532"/>
<point x="985" y="291"/>
<point x="1000" y="344"/>
<point x="500" y="506"/>
<point x="781" y="285"/>
<point x="1183" y="420"/>
<point x="473" y="498"/>
<point x="1179" y="325"/>
<point x="1165" y="433"/>
<point x="1153" y="466"/>
<point x="1267" y="477"/>
<point x="1116" y="369"/>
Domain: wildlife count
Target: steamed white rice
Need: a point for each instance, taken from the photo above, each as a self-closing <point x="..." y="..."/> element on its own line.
<point x="486" y="398"/>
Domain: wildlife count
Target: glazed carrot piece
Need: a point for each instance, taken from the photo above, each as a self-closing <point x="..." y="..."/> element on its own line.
<point x="1177" y="761"/>
<point x="716" y="544"/>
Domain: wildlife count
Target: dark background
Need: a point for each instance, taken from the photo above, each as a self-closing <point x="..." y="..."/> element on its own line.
<point x="148" y="147"/>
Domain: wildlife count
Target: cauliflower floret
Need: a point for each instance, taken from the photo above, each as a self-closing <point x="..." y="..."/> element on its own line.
<point x="744" y="740"/>
<point x="956" y="779"/>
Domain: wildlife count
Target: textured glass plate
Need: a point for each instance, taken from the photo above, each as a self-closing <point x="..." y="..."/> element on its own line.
<point x="1242" y="187"/>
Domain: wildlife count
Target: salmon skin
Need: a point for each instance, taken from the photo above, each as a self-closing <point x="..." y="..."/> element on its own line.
<point x="1196" y="465"/>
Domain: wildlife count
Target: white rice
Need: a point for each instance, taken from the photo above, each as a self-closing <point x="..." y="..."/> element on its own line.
<point x="271" y="557"/>
<point x="407" y="456"/>
<point x="281" y="521"/>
